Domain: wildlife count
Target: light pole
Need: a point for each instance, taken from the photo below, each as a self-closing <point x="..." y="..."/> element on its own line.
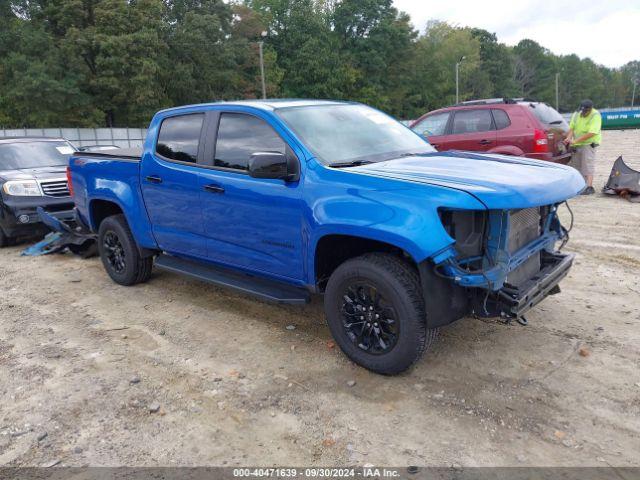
<point x="633" y="95"/>
<point x="458" y="78"/>
<point x="557" y="96"/>
<point x="264" y="86"/>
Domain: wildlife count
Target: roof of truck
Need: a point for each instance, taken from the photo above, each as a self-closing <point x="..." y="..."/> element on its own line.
<point x="271" y="104"/>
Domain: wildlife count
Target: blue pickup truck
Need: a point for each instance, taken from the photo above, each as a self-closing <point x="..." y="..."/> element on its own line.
<point x="285" y="199"/>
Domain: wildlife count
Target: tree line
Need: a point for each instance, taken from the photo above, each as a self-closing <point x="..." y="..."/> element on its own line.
<point x="91" y="63"/>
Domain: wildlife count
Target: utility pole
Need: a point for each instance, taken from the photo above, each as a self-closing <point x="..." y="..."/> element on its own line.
<point x="633" y="95"/>
<point x="458" y="78"/>
<point x="264" y="86"/>
<point x="557" y="96"/>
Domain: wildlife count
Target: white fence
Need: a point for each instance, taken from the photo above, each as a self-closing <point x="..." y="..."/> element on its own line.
<point x="81" y="137"/>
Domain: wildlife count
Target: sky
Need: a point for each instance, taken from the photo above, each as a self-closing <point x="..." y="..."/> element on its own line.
<point x="607" y="31"/>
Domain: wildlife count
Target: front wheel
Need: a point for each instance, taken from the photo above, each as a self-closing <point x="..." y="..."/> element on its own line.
<point x="119" y="252"/>
<point x="375" y="311"/>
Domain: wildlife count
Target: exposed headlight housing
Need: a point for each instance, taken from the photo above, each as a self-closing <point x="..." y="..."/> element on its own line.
<point x="22" y="188"/>
<point x="467" y="228"/>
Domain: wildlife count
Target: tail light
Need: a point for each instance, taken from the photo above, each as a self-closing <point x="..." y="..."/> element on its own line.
<point x="540" y="141"/>
<point x="69" y="183"/>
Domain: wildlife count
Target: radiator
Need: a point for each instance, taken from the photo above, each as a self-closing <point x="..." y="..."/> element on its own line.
<point x="524" y="228"/>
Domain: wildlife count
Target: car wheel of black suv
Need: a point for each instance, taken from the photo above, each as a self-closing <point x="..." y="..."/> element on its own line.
<point x="119" y="252"/>
<point x="4" y="241"/>
<point x="375" y="311"/>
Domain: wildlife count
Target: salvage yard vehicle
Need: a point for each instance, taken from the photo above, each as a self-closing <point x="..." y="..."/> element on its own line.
<point x="32" y="175"/>
<point x="285" y="199"/>
<point x="507" y="126"/>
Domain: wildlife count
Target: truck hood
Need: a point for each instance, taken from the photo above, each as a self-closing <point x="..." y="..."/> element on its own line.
<point x="498" y="181"/>
<point x="40" y="173"/>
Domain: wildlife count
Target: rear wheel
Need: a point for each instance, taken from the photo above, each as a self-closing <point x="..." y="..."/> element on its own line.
<point x="86" y="250"/>
<point x="119" y="252"/>
<point x="375" y="311"/>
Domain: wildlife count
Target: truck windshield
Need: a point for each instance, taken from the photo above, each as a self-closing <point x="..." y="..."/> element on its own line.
<point x="18" y="155"/>
<point x="352" y="134"/>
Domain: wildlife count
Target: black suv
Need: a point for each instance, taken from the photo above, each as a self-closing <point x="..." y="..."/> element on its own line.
<point x="32" y="174"/>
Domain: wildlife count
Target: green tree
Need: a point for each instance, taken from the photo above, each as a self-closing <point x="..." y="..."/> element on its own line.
<point x="580" y="79"/>
<point x="496" y="59"/>
<point x="630" y="74"/>
<point x="379" y="43"/>
<point x="36" y="87"/>
<point x="433" y="77"/>
<point x="307" y="49"/>
<point x="115" y="62"/>
<point x="534" y="71"/>
<point x="211" y="56"/>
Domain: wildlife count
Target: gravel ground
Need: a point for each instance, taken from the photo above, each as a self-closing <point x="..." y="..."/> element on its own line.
<point x="177" y="372"/>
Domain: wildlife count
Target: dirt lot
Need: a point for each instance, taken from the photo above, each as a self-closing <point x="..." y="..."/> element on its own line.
<point x="177" y="372"/>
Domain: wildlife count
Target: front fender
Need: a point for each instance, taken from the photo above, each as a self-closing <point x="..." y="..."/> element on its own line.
<point x="397" y="213"/>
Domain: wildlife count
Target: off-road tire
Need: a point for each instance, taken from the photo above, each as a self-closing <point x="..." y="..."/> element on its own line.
<point x="136" y="269"/>
<point x="396" y="280"/>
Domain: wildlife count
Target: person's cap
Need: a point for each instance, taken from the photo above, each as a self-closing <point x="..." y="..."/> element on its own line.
<point x="586" y="105"/>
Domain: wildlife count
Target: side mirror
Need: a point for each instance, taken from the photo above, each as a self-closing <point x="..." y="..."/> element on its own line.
<point x="274" y="165"/>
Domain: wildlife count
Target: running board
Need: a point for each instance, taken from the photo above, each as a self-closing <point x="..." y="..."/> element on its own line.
<point x="271" y="291"/>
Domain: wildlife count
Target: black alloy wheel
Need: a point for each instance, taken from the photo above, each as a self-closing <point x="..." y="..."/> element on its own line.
<point x="375" y="310"/>
<point x="369" y="319"/>
<point x="114" y="251"/>
<point x="120" y="255"/>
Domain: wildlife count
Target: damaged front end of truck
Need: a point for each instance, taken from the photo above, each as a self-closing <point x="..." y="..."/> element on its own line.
<point x="501" y="264"/>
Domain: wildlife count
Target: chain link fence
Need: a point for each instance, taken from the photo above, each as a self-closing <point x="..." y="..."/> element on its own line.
<point x="82" y="137"/>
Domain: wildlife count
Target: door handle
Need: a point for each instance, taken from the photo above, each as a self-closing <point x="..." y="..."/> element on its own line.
<point x="154" y="179"/>
<point x="213" y="188"/>
<point x="484" y="141"/>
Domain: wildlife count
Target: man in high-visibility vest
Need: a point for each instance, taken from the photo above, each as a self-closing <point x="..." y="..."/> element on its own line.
<point x="584" y="135"/>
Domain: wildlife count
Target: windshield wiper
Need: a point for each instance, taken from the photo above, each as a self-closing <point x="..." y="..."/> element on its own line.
<point x="410" y="154"/>
<point x="355" y="163"/>
<point x="556" y="122"/>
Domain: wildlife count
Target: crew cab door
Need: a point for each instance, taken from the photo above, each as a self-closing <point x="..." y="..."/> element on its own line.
<point x="170" y="187"/>
<point x="252" y="223"/>
<point x="472" y="130"/>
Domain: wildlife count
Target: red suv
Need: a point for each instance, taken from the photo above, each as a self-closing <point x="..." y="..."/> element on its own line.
<point x="501" y="125"/>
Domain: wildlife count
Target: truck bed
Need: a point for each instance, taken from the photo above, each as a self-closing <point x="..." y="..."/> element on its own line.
<point x="134" y="153"/>
<point x="111" y="178"/>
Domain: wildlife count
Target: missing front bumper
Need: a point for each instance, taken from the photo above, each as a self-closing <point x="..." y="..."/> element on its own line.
<point x="512" y="301"/>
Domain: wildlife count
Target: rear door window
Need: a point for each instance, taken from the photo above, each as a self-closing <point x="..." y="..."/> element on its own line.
<point x="501" y="118"/>
<point x="472" y="121"/>
<point x="546" y="114"/>
<point x="179" y="137"/>
<point x="432" y="125"/>
<point x="240" y="136"/>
